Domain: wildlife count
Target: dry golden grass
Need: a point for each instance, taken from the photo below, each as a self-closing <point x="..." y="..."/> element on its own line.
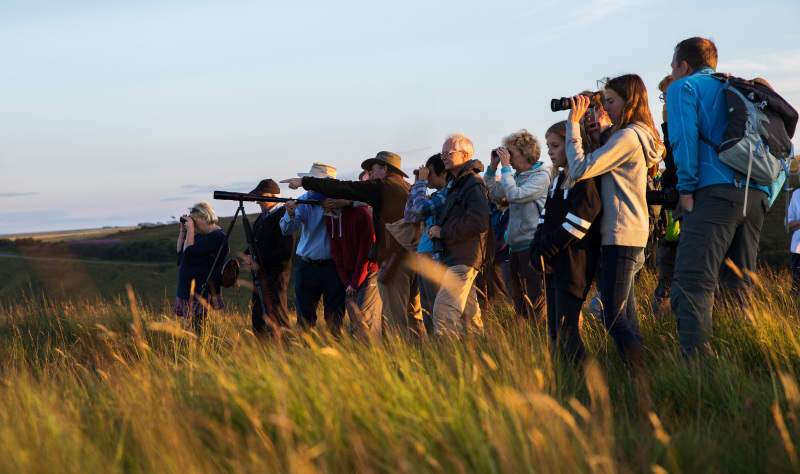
<point x="108" y="386"/>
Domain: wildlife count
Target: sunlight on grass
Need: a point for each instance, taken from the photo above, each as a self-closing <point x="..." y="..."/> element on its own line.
<point x="108" y="386"/>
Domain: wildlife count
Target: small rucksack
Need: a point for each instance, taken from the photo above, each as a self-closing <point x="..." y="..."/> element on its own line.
<point x="757" y="141"/>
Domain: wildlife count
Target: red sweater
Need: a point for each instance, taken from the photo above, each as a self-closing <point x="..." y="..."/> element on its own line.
<point x="352" y="235"/>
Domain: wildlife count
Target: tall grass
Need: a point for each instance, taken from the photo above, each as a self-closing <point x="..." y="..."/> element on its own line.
<point x="106" y="386"/>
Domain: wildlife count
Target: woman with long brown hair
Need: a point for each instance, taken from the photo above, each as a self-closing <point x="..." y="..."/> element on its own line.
<point x="621" y="163"/>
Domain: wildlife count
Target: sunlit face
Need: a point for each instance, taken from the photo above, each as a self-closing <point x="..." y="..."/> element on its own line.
<point x="452" y="158"/>
<point x="613" y="105"/>
<point x="518" y="160"/>
<point x="266" y="206"/>
<point x="556" y="150"/>
<point x="378" y="171"/>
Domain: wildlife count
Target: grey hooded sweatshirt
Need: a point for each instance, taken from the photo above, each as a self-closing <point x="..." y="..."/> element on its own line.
<point x="622" y="166"/>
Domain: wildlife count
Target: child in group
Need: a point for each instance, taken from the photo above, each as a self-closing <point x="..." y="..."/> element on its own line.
<point x="566" y="247"/>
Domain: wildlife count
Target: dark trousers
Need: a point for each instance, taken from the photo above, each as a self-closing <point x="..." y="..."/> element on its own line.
<point x="263" y="322"/>
<point x="527" y="287"/>
<point x="795" y="274"/>
<point x="429" y="273"/>
<point x="666" y="270"/>
<point x="616" y="289"/>
<point x="563" y="323"/>
<point x="313" y="282"/>
<point x="714" y="231"/>
<point x="490" y="285"/>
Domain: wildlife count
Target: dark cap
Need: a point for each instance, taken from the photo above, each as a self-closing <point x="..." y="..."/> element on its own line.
<point x="385" y="158"/>
<point x="266" y="186"/>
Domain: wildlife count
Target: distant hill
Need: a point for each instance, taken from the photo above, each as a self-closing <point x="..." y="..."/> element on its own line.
<point x="99" y="262"/>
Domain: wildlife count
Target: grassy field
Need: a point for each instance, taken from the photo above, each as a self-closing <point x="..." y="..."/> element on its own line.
<point x="110" y="385"/>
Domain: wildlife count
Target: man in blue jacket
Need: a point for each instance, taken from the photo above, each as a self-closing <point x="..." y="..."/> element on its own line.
<point x="712" y="195"/>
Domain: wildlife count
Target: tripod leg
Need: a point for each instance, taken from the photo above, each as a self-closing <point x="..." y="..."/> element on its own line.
<point x="260" y="283"/>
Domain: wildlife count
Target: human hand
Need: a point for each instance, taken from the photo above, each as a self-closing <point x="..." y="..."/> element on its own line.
<point x="687" y="202"/>
<point x="579" y="105"/>
<point x="495" y="160"/>
<point x="548" y="269"/>
<point x="424" y="172"/>
<point x="329" y="204"/>
<point x="247" y="262"/>
<point x="352" y="293"/>
<point x="434" y="232"/>
<point x="503" y="155"/>
<point x="188" y="226"/>
<point x="291" y="207"/>
<point x="294" y="183"/>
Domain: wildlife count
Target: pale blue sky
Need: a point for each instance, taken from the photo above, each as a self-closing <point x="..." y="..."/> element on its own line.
<point x="115" y="113"/>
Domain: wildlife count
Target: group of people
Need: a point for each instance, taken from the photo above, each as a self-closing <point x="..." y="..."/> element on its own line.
<point x="397" y="260"/>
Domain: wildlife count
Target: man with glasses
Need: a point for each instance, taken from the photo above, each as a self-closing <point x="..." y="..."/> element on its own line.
<point x="466" y="232"/>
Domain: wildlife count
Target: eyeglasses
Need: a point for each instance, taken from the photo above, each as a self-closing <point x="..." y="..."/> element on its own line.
<point x="448" y="153"/>
<point x="602" y="82"/>
<point x="662" y="97"/>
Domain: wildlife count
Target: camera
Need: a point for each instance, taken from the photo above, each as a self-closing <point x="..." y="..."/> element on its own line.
<point x="183" y="220"/>
<point x="438" y="246"/>
<point x="667" y="197"/>
<point x="563" y="103"/>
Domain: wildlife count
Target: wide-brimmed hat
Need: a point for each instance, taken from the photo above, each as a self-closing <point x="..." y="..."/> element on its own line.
<point x="385" y="158"/>
<point x="319" y="170"/>
<point x="266" y="186"/>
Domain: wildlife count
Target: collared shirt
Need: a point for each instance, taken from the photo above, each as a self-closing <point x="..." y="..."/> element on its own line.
<point x="314" y="240"/>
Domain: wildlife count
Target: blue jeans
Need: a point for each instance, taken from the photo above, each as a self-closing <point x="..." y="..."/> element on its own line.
<point x="631" y="311"/>
<point x="619" y="316"/>
<point x="312" y="282"/>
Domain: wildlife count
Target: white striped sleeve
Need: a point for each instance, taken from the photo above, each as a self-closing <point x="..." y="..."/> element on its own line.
<point x="576" y="226"/>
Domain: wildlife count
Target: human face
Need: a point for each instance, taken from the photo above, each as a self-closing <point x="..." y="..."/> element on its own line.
<point x="200" y="223"/>
<point x="436" y="181"/>
<point x="266" y="206"/>
<point x="518" y="161"/>
<point x="378" y="171"/>
<point x="679" y="70"/>
<point x="452" y="159"/>
<point x="556" y="150"/>
<point x="613" y="105"/>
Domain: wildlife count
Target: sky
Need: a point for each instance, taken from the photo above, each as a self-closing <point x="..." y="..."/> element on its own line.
<point x="116" y="113"/>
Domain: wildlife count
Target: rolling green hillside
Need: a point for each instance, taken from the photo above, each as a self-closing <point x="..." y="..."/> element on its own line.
<point x="101" y="265"/>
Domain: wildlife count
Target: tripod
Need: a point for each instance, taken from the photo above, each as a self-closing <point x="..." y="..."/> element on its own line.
<point x="259" y="280"/>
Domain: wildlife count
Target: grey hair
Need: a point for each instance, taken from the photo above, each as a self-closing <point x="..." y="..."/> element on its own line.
<point x="462" y="142"/>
